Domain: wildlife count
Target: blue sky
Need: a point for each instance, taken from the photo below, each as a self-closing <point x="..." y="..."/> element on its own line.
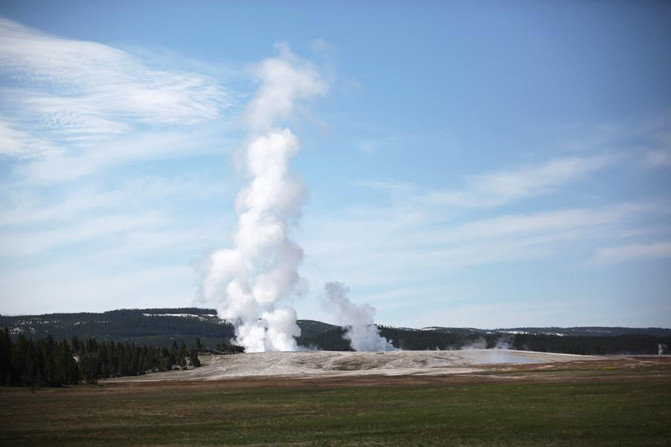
<point x="478" y="164"/>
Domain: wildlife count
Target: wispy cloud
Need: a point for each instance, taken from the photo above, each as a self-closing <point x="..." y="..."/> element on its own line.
<point x="79" y="286"/>
<point x="81" y="87"/>
<point x="123" y="150"/>
<point x="633" y="252"/>
<point x="76" y="105"/>
<point x="391" y="248"/>
<point x="73" y="223"/>
<point x="387" y="186"/>
<point x="369" y="146"/>
<point x="22" y="243"/>
<point x="419" y="256"/>
<point x="658" y="159"/>
<point x="635" y="135"/>
<point x="498" y="188"/>
<point x="502" y="187"/>
<point x="19" y="144"/>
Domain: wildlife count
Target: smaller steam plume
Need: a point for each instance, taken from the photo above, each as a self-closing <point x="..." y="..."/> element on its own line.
<point x="357" y="320"/>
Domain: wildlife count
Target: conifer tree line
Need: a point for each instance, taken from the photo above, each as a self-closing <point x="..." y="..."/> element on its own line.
<point x="43" y="362"/>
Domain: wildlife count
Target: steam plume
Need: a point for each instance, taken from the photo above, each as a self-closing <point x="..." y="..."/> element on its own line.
<point x="250" y="279"/>
<point x="358" y="320"/>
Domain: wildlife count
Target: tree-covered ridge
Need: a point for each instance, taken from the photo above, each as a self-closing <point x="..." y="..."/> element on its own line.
<point x="417" y="339"/>
<point x="45" y="362"/>
<point x="160" y="328"/>
<point x="634" y="344"/>
<point x="156" y="327"/>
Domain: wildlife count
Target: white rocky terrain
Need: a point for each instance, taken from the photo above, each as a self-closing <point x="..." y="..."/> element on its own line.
<point x="308" y="364"/>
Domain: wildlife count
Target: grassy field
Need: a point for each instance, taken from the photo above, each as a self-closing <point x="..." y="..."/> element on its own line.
<point x="588" y="404"/>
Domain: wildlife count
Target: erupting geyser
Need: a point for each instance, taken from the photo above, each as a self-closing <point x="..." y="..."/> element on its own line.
<point x="358" y="320"/>
<point x="250" y="279"/>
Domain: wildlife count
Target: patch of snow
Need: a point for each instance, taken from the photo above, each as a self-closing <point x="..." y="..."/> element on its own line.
<point x="199" y="316"/>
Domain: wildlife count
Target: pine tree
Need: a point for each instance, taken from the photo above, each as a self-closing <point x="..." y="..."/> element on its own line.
<point x="134" y="368"/>
<point x="120" y="360"/>
<point x="61" y="364"/>
<point x="72" y="366"/>
<point x="104" y="359"/>
<point x="114" y="359"/>
<point x="28" y="365"/>
<point x="49" y="362"/>
<point x="183" y="353"/>
<point x="91" y="345"/>
<point x="193" y="357"/>
<point x="19" y="360"/>
<point x="166" y="360"/>
<point x="5" y="357"/>
<point x="76" y="344"/>
<point x="174" y="352"/>
<point x="90" y="362"/>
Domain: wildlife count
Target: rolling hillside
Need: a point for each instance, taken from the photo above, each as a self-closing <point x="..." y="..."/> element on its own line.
<point x="159" y="327"/>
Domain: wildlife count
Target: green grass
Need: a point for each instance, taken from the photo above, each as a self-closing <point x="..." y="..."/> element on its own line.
<point x="401" y="413"/>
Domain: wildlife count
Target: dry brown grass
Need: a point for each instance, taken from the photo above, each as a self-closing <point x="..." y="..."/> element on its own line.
<point x="623" y="401"/>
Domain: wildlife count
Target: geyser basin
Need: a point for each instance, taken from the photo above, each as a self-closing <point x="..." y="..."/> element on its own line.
<point x="332" y="363"/>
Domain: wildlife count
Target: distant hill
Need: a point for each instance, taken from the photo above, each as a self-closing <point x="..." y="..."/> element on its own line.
<point x="146" y="326"/>
<point x="595" y="331"/>
<point x="159" y="327"/>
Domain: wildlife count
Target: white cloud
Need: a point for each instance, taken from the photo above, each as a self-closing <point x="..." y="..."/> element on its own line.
<point x="26" y="242"/>
<point x="499" y="314"/>
<point x="398" y="247"/>
<point x="647" y="133"/>
<point x="25" y="208"/>
<point x="368" y="146"/>
<point x="78" y="107"/>
<point x="387" y="186"/>
<point x="77" y="87"/>
<point x="633" y="252"/>
<point x="658" y="159"/>
<point x="545" y="222"/>
<point x="21" y="144"/>
<point x="415" y="256"/>
<point x="498" y="188"/>
<point x="124" y="150"/>
<point x="77" y="287"/>
<point x="73" y="226"/>
<point x="104" y="259"/>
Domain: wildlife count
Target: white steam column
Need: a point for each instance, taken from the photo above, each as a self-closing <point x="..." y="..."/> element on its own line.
<point x="358" y="320"/>
<point x="250" y="279"/>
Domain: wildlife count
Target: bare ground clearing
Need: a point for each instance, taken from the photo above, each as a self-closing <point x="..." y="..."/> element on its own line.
<point x="330" y="364"/>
